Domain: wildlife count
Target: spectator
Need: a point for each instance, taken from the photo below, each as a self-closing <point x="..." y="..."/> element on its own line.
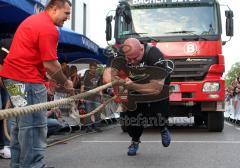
<point x="54" y="123"/>
<point x="75" y="78"/>
<point x="237" y="98"/>
<point x="4" y="143"/>
<point x="90" y="81"/>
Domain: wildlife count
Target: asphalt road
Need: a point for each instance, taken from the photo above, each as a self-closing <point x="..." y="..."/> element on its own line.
<point x="190" y="148"/>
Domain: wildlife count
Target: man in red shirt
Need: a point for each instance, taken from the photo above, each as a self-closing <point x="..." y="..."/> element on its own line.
<point x="33" y="53"/>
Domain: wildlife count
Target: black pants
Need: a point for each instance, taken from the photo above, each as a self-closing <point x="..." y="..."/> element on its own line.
<point x="153" y="114"/>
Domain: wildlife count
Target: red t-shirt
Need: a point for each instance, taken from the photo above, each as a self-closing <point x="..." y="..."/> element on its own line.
<point x="35" y="41"/>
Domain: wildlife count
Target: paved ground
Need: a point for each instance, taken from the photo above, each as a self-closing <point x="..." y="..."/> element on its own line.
<point x="190" y="148"/>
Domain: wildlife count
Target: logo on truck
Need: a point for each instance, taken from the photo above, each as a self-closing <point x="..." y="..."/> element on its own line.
<point x="190" y="48"/>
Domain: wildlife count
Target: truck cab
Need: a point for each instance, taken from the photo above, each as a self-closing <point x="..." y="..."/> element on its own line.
<point x="189" y="33"/>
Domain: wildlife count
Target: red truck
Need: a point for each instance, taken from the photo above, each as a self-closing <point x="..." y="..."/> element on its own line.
<point x="187" y="32"/>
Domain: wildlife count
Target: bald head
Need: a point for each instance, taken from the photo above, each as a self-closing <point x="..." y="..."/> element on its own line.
<point x="132" y="48"/>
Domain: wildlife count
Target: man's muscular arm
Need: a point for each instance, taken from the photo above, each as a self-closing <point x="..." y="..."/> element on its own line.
<point x="54" y="70"/>
<point x="154" y="87"/>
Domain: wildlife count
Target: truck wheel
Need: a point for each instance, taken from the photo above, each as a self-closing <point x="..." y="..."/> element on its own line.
<point x="215" y="121"/>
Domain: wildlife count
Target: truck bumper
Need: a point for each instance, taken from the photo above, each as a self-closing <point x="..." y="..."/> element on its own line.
<point x="193" y="92"/>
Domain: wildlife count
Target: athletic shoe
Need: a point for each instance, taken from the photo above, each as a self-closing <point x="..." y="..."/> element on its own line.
<point x="133" y="148"/>
<point x="5" y="152"/>
<point x="166" y="138"/>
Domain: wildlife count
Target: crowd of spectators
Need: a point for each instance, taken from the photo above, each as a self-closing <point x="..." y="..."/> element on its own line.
<point x="232" y="99"/>
<point x="65" y="118"/>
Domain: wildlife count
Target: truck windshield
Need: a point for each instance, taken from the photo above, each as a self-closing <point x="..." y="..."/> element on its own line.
<point x="154" y="22"/>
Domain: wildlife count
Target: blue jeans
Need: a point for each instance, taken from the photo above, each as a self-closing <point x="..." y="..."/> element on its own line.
<point x="91" y="103"/>
<point x="54" y="126"/>
<point x="29" y="132"/>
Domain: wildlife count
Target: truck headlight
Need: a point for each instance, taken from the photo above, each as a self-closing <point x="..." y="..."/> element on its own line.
<point x="211" y="87"/>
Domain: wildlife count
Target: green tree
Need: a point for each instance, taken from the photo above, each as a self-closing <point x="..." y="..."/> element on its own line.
<point x="233" y="73"/>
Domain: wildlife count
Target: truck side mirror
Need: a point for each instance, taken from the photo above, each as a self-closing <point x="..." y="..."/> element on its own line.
<point x="229" y="22"/>
<point x="109" y="28"/>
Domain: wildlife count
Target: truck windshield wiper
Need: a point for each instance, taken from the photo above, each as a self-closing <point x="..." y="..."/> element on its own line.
<point x="151" y="38"/>
<point x="135" y="33"/>
<point x="178" y="32"/>
<point x="132" y="33"/>
<point x="198" y="37"/>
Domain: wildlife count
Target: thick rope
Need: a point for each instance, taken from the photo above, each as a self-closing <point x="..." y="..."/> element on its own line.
<point x="8" y="113"/>
<point x="99" y="108"/>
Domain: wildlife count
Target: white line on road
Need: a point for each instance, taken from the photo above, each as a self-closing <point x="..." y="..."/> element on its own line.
<point x="203" y="142"/>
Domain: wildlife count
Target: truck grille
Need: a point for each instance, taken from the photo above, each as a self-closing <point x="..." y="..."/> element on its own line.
<point x="191" y="69"/>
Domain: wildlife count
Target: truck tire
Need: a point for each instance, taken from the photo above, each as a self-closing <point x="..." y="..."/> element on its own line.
<point x="215" y="121"/>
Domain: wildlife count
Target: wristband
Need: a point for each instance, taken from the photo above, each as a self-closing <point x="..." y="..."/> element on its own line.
<point x="59" y="77"/>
